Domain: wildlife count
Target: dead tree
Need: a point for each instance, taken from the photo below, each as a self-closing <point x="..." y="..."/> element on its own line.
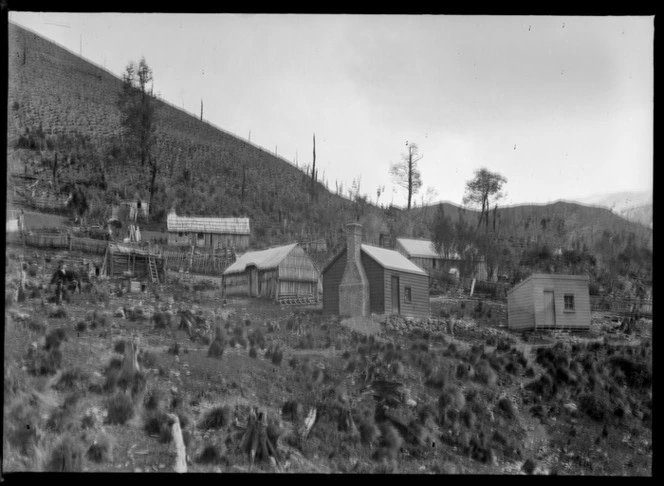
<point x="180" y="465"/>
<point x="130" y="359"/>
<point x="256" y="442"/>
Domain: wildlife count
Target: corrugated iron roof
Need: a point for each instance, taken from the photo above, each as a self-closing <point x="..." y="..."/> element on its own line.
<point x="422" y="249"/>
<point x="235" y="226"/>
<point x="392" y="260"/>
<point x="263" y="260"/>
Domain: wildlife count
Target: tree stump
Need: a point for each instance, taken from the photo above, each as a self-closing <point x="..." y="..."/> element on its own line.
<point x="130" y="359"/>
<point x="180" y="465"/>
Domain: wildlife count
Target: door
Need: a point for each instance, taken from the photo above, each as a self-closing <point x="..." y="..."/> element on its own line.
<point x="396" y="308"/>
<point x="549" y="309"/>
<point x="253" y="279"/>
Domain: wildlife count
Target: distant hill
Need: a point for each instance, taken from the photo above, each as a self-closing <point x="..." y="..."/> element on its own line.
<point x="632" y="205"/>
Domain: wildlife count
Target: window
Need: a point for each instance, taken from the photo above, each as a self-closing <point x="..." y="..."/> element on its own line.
<point x="407" y="295"/>
<point x="569" y="302"/>
<point x="201" y="236"/>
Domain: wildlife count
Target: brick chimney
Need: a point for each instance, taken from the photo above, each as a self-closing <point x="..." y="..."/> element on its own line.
<point x="354" y="287"/>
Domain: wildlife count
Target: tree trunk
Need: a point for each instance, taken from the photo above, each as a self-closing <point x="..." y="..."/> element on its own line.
<point x="130" y="360"/>
<point x="154" y="170"/>
<point x="410" y="175"/>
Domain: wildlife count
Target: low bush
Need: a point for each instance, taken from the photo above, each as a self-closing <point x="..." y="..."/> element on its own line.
<point x="175" y="348"/>
<point x="153" y="399"/>
<point x="277" y="356"/>
<point x="292" y="410"/>
<point x="161" y="320"/>
<point x="36" y="324"/>
<point x="81" y="326"/>
<point x="369" y="432"/>
<point x="451" y="398"/>
<point x="390" y="442"/>
<point x="55" y="338"/>
<point x="216" y="418"/>
<point x="211" y="454"/>
<point x="73" y="378"/>
<point x="506" y="407"/>
<point x="216" y="349"/>
<point x="57" y="313"/>
<point x="66" y="455"/>
<point x="529" y="466"/>
<point x="119" y="346"/>
<point x="484" y="373"/>
<point x="257" y="339"/>
<point x="158" y="423"/>
<point x="101" y="450"/>
<point x="253" y="353"/>
<point x="592" y="406"/>
<point x="147" y="359"/>
<point x="43" y="362"/>
<point x="120" y="409"/>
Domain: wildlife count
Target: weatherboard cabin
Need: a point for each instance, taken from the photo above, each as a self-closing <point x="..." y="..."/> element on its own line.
<point x="208" y="232"/>
<point x="546" y="301"/>
<point x="423" y="254"/>
<point x="363" y="279"/>
<point x="283" y="272"/>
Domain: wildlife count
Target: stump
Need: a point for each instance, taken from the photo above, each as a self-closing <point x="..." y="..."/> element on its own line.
<point x="130" y="360"/>
<point x="180" y="465"/>
<point x="256" y="442"/>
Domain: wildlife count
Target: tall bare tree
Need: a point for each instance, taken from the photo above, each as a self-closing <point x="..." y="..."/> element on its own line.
<point x="138" y="116"/>
<point x="405" y="172"/>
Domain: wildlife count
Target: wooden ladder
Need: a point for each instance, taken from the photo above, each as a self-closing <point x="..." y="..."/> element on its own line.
<point x="154" y="275"/>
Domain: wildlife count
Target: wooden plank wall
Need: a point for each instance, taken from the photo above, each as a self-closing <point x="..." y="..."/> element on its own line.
<point x="579" y="318"/>
<point x="331" y="282"/>
<point x="375" y="276"/>
<point x="419" y="306"/>
<point x="521" y="307"/>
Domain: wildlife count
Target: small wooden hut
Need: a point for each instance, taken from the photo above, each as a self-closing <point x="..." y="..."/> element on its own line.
<point x="208" y="232"/>
<point x="279" y="273"/>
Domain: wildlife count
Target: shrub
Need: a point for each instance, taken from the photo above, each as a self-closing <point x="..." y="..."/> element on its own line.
<point x="57" y="313"/>
<point x="463" y="371"/>
<point x="66" y="456"/>
<point x="451" y="398"/>
<point x="437" y="378"/>
<point x="216" y="349"/>
<point x="152" y="399"/>
<point x="55" y="338"/>
<point x="157" y="422"/>
<point x="147" y="359"/>
<point x="593" y="407"/>
<point x="398" y="369"/>
<point x="216" y="418"/>
<point x="205" y="339"/>
<point x="484" y="373"/>
<point x="506" y="406"/>
<point x="175" y="348"/>
<point x="256" y="338"/>
<point x="81" y="326"/>
<point x="277" y="356"/>
<point x="101" y="450"/>
<point x="211" y="454"/>
<point x="468" y="418"/>
<point x="161" y="320"/>
<point x="37" y="325"/>
<point x="119" y="346"/>
<point x="637" y="375"/>
<point x="369" y="433"/>
<point x="529" y="466"/>
<point x="390" y="441"/>
<point x="44" y="362"/>
<point x="120" y="409"/>
<point x="253" y="353"/>
<point x="292" y="410"/>
<point x="73" y="378"/>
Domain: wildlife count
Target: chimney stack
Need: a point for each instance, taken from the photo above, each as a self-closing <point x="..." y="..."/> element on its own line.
<point x="354" y="287"/>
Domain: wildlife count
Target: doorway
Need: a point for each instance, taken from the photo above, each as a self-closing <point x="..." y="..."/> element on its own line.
<point x="549" y="309"/>
<point x="396" y="307"/>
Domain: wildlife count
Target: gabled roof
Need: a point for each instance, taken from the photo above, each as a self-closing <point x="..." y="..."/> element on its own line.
<point x="263" y="260"/>
<point x="422" y="249"/>
<point x="390" y="259"/>
<point x="235" y="226"/>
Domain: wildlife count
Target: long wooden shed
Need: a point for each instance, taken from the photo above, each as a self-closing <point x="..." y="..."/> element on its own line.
<point x="275" y="273"/>
<point x="547" y="301"/>
<point x="208" y="232"/>
<point x="395" y="284"/>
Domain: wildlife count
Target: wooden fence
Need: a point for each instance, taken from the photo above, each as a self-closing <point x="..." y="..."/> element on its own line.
<point x="620" y="306"/>
<point x="58" y="240"/>
<point x="206" y="263"/>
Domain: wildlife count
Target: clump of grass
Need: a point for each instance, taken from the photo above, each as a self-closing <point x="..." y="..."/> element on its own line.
<point x="36" y="324"/>
<point x="161" y="320"/>
<point x="398" y="368"/>
<point x="292" y="410"/>
<point x="66" y="455"/>
<point x="529" y="466"/>
<point x="147" y="359"/>
<point x="73" y="378"/>
<point x="506" y="407"/>
<point x="119" y="346"/>
<point x="451" y="398"/>
<point x="22" y="425"/>
<point x="55" y="338"/>
<point x="437" y="378"/>
<point x="216" y="418"/>
<point x="101" y="450"/>
<point x="390" y="442"/>
<point x="44" y="362"/>
<point x="484" y="373"/>
<point x="157" y="422"/>
<point x="211" y="454"/>
<point x="369" y="432"/>
<point x="153" y="399"/>
<point x="81" y="326"/>
<point x="276" y="356"/>
<point x="257" y="339"/>
<point x="174" y="349"/>
<point x="253" y="353"/>
<point x="306" y="341"/>
<point x="120" y="408"/>
<point x="216" y="349"/>
<point x="58" y="312"/>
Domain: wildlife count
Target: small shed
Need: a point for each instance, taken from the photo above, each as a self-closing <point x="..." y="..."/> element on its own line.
<point x="547" y="301"/>
<point x="375" y="280"/>
<point x="276" y="273"/>
<point x="124" y="260"/>
<point x="423" y="254"/>
<point x="208" y="232"/>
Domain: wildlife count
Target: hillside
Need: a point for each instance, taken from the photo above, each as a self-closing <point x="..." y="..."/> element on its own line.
<point x="632" y="205"/>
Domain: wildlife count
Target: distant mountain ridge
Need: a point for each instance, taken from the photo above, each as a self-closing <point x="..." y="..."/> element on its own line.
<point x="632" y="205"/>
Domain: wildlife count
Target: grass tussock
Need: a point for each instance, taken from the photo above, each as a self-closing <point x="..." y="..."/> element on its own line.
<point x="253" y="353"/>
<point x="157" y="422"/>
<point x="216" y="349"/>
<point x="120" y="408"/>
<point x="369" y="432"/>
<point x="161" y="320"/>
<point x="101" y="450"/>
<point x="73" y="379"/>
<point x="36" y="324"/>
<point x="58" y="312"/>
<point x="211" y="454"/>
<point x="216" y="418"/>
<point x="153" y="399"/>
<point x="66" y="456"/>
<point x="484" y="373"/>
<point x="390" y="442"/>
<point x="81" y="326"/>
<point x="55" y="338"/>
<point x="292" y="410"/>
<point x="44" y="361"/>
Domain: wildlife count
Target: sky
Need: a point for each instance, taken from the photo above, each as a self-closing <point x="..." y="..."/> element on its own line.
<point x="562" y="107"/>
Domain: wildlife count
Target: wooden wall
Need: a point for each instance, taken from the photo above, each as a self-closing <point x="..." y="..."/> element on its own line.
<point x="520" y="306"/>
<point x="376" y="277"/>
<point x="561" y="285"/>
<point x="331" y="281"/>
<point x="239" y="242"/>
<point x="419" y="284"/>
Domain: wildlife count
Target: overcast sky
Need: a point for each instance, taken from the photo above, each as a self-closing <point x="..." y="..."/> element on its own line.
<point x="561" y="106"/>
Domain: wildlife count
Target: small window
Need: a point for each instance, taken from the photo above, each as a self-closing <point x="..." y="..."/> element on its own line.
<point x="434" y="262"/>
<point x="201" y="236"/>
<point x="569" y="302"/>
<point x="407" y="295"/>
